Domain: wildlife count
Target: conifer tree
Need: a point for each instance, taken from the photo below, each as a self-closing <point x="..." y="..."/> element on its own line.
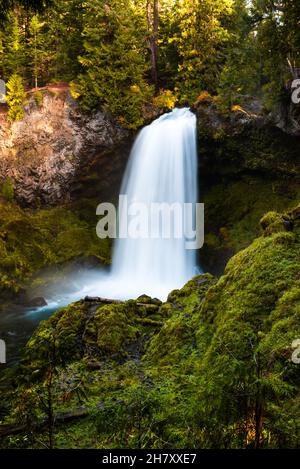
<point x="114" y="62"/>
<point x="36" y="51"/>
<point x="14" y="47"/>
<point x="201" y="35"/>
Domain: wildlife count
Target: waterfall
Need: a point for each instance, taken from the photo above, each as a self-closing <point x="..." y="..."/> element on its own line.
<point x="162" y="168"/>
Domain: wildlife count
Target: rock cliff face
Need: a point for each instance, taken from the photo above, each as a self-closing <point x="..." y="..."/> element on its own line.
<point x="57" y="152"/>
<point x="244" y="141"/>
<point x="50" y="152"/>
<point x="247" y="167"/>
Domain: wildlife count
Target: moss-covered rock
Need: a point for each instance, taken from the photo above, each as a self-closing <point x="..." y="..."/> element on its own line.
<point x="210" y="368"/>
<point x="177" y="337"/>
<point x="31" y="240"/>
<point x="93" y="329"/>
<point x="273" y="222"/>
<point x="232" y="143"/>
<point x="233" y="211"/>
<point x="255" y="311"/>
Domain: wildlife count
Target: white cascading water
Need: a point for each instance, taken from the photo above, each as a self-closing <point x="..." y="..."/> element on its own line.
<point x="162" y="168"/>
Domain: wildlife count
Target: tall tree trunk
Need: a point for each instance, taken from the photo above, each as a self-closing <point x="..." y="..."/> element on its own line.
<point x="152" y="18"/>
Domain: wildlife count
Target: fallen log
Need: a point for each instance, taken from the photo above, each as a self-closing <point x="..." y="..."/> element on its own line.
<point x="98" y="299"/>
<point x="61" y="417"/>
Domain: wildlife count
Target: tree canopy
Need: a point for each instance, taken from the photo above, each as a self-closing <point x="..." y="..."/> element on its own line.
<point x="123" y="54"/>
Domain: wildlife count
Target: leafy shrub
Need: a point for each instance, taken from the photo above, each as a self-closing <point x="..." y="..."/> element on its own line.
<point x="7" y="190"/>
<point x="15" y="97"/>
<point x="38" y="98"/>
<point x="166" y="99"/>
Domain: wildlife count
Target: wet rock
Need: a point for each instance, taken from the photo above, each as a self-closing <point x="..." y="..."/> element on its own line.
<point x="244" y="139"/>
<point x="147" y="300"/>
<point x="53" y="151"/>
<point x="37" y="302"/>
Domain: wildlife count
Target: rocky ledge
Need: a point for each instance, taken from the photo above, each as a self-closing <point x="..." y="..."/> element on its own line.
<point x="49" y="153"/>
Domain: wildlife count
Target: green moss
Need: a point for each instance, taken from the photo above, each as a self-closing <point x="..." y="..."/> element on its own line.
<point x="255" y="311"/>
<point x="176" y="338"/>
<point x="114" y="328"/>
<point x="268" y="219"/>
<point x="197" y="371"/>
<point x="273" y="222"/>
<point x="31" y="240"/>
<point x="7" y="190"/>
<point x="233" y="212"/>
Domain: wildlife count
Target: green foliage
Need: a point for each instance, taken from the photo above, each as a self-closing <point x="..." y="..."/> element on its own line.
<point x="63" y="39"/>
<point x="228" y="48"/>
<point x="212" y="369"/>
<point x="265" y="39"/>
<point x="13" y="47"/>
<point x="38" y="98"/>
<point x="241" y="74"/>
<point x="7" y="190"/>
<point x="166" y="99"/>
<point x="15" y="96"/>
<point x="202" y="33"/>
<point x="36" y="48"/>
<point x="113" y="62"/>
<point x="30" y="241"/>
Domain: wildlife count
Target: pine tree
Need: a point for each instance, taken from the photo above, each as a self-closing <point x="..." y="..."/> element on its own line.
<point x="152" y="20"/>
<point x="202" y="34"/>
<point x="114" y="62"/>
<point x="14" y="47"/>
<point x="241" y="74"/>
<point x="63" y="39"/>
<point x="36" y="50"/>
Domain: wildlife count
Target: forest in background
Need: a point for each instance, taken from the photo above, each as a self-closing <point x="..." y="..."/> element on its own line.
<point x="126" y="55"/>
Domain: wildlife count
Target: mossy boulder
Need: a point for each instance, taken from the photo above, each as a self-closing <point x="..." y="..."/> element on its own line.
<point x="254" y="309"/>
<point x="273" y="222"/>
<point x="177" y="338"/>
<point x="94" y="329"/>
<point x="210" y="368"/>
<point x="31" y="240"/>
